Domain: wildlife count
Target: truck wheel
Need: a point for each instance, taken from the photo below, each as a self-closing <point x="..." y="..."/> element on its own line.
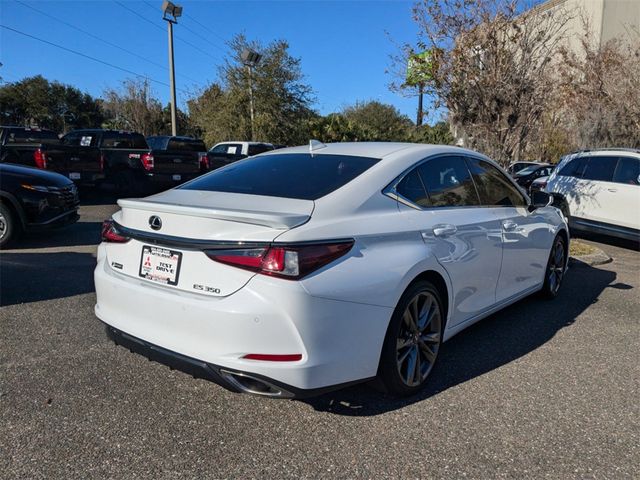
<point x="9" y="228"/>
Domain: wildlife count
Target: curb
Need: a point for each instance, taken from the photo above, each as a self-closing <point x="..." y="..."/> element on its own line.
<point x="596" y="258"/>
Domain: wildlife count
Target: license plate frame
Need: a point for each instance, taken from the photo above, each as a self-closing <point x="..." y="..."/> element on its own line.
<point x="149" y="266"/>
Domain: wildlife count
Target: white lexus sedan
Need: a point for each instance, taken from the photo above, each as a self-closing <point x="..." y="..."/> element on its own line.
<point x="306" y="269"/>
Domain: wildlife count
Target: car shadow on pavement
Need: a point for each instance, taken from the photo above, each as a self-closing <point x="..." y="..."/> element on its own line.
<point x="32" y="277"/>
<point x="485" y="346"/>
<point x="81" y="233"/>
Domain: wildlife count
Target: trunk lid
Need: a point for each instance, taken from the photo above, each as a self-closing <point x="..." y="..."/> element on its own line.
<point x="192" y="221"/>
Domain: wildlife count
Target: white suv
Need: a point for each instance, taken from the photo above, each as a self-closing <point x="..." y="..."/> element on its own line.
<point x="599" y="191"/>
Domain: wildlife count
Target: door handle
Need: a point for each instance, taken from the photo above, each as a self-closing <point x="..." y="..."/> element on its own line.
<point x="509" y="226"/>
<point x="613" y="190"/>
<point x="444" y="230"/>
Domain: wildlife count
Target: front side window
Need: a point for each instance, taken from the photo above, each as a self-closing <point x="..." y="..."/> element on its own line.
<point x="448" y="182"/>
<point x="411" y="188"/>
<point x="627" y="171"/>
<point x="600" y="168"/>
<point x="494" y="187"/>
<point x="289" y="175"/>
<point x="258" y="149"/>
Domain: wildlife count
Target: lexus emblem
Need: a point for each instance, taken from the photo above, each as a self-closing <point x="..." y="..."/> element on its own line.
<point x="155" y="222"/>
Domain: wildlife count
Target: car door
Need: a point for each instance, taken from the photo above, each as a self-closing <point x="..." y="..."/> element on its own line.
<point x="624" y="208"/>
<point x="440" y="199"/>
<point x="596" y="194"/>
<point x="526" y="237"/>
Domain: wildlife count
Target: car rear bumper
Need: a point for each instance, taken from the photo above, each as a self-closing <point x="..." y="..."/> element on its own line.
<point x="340" y="342"/>
<point x="233" y="380"/>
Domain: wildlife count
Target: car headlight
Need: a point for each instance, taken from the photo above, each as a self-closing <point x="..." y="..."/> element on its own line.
<point x="37" y="188"/>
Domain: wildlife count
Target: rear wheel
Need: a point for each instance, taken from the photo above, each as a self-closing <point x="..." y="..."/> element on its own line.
<point x="555" y="268"/>
<point x="9" y="227"/>
<point x="413" y="340"/>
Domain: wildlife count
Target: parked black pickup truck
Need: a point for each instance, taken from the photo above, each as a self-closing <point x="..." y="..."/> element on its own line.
<point x="41" y="148"/>
<point x="183" y="158"/>
<point x="128" y="162"/>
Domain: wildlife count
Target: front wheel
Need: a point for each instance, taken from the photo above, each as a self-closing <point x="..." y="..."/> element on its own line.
<point x="413" y="340"/>
<point x="555" y="268"/>
<point x="9" y="228"/>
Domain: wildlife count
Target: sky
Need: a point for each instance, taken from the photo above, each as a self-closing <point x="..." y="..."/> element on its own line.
<point x="344" y="46"/>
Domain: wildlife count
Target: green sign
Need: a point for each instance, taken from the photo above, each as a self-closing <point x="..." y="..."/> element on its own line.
<point x="420" y="68"/>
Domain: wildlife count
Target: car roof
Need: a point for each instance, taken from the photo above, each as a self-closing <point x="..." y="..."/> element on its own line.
<point x="374" y="149"/>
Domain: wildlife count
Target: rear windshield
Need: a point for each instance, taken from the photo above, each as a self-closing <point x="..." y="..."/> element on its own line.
<point x="289" y="175"/>
<point x="123" y="140"/>
<point x="186" y="145"/>
<point x="31" y="136"/>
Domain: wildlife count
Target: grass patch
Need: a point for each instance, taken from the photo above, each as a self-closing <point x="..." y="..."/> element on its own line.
<point x="577" y="249"/>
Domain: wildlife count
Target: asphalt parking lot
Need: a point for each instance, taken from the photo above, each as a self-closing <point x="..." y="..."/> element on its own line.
<point x="540" y="389"/>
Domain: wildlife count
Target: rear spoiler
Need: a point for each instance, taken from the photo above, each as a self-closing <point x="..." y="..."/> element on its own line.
<point x="277" y="220"/>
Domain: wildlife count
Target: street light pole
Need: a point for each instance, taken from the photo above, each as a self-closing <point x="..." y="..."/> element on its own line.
<point x="250" y="60"/>
<point x="172" y="82"/>
<point x="171" y="13"/>
<point x="253" y="130"/>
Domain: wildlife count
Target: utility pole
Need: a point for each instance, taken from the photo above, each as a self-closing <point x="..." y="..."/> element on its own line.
<point x="171" y="13"/>
<point x="253" y="130"/>
<point x="250" y="60"/>
<point x="420" y="110"/>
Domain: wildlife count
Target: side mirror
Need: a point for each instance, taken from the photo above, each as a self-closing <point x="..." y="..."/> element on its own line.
<point x="541" y="199"/>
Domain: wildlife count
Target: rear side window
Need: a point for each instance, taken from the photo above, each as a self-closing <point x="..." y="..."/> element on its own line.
<point x="258" y="149"/>
<point x="448" y="182"/>
<point x="574" y="168"/>
<point x="288" y="175"/>
<point x="627" y="171"/>
<point x="600" y="168"/>
<point x="494" y="187"/>
<point x="118" y="140"/>
<point x="412" y="188"/>
<point x="29" y="136"/>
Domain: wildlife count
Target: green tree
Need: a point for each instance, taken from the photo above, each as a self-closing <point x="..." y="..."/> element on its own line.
<point x="133" y="107"/>
<point x="37" y="101"/>
<point x="282" y="99"/>
<point x="378" y="121"/>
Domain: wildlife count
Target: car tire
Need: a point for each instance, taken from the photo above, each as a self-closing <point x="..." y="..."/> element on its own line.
<point x="554" y="273"/>
<point x="411" y="347"/>
<point x="9" y="227"/>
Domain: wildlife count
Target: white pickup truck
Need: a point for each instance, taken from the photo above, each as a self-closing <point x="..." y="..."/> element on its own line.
<point x="224" y="153"/>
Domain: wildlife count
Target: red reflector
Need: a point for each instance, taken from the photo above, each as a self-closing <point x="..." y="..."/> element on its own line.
<point x="294" y="357"/>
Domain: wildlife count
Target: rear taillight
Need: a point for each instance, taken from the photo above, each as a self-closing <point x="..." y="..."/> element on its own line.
<point x="40" y="158"/>
<point x="204" y="161"/>
<point x="284" y="261"/>
<point x="147" y="161"/>
<point x="102" y="162"/>
<point x="111" y="234"/>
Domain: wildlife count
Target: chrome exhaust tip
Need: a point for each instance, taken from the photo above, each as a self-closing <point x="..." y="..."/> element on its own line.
<point x="255" y="386"/>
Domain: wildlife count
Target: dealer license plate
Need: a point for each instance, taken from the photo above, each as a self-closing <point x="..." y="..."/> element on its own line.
<point x="160" y="265"/>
